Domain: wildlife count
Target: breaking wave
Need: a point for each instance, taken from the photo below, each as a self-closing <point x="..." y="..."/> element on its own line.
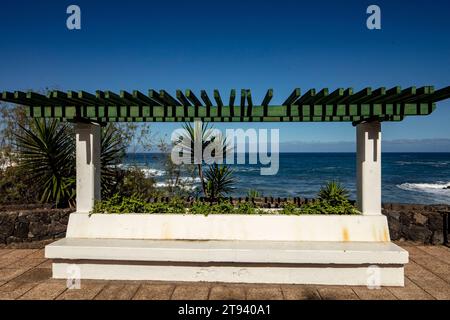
<point x="436" y="188"/>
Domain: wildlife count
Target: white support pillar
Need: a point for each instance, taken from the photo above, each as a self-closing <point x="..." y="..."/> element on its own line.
<point x="368" y="163"/>
<point x="88" y="148"/>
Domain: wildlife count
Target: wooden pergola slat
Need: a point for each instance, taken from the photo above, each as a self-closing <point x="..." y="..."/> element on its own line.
<point x="341" y="105"/>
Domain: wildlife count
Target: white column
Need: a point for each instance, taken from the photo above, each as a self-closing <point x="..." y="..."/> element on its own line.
<point x="88" y="150"/>
<point x="368" y="164"/>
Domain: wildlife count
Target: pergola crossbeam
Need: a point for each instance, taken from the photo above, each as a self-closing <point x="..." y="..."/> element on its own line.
<point x="339" y="106"/>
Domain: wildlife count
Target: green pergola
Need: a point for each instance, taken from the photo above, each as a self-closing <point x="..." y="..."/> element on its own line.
<point x="366" y="109"/>
<point x="341" y="105"/>
<point x="312" y="249"/>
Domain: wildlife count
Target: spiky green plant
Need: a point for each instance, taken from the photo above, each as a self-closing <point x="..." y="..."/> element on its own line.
<point x="112" y="153"/>
<point x="253" y="193"/>
<point x="46" y="151"/>
<point x="47" y="156"/>
<point x="219" y="181"/>
<point x="203" y="134"/>
<point x="334" y="193"/>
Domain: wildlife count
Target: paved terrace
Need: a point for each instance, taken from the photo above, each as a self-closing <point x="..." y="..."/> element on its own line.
<point x="26" y="274"/>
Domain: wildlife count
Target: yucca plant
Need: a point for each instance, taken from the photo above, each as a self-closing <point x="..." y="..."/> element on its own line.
<point x="334" y="193"/>
<point x="112" y="153"/>
<point x="203" y="134"/>
<point x="46" y="151"/>
<point x="219" y="181"/>
<point x="47" y="155"/>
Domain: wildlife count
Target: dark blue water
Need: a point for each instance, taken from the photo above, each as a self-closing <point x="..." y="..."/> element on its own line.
<point x="407" y="177"/>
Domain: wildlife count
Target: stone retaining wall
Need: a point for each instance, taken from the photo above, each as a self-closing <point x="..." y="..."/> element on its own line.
<point x="420" y="223"/>
<point x="32" y="223"/>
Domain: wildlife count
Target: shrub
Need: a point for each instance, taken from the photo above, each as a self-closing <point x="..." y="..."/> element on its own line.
<point x="119" y="204"/>
<point x="320" y="207"/>
<point x="15" y="187"/>
<point x="134" y="182"/>
<point x="134" y="204"/>
<point x="223" y="207"/>
<point x="334" y="193"/>
<point x="47" y="157"/>
<point x="247" y="208"/>
<point x="289" y="209"/>
<point x="219" y="181"/>
<point x="253" y="193"/>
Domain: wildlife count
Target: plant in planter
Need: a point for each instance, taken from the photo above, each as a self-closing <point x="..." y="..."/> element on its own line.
<point x="219" y="181"/>
<point x="333" y="193"/>
<point x="332" y="200"/>
<point x="201" y="143"/>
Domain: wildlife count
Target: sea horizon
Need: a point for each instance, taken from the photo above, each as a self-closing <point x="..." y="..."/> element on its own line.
<point x="407" y="177"/>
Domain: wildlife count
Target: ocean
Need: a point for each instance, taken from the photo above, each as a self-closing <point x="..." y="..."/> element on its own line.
<point x="406" y="177"/>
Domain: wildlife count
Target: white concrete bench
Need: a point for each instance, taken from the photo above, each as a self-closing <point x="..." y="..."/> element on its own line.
<point x="289" y="262"/>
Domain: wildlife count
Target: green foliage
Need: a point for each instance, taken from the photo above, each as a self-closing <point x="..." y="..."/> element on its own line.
<point x="223" y="207"/>
<point x="219" y="181"/>
<point x="320" y="207"/>
<point x="133" y="204"/>
<point x="47" y="156"/>
<point x="253" y="193"/>
<point x="333" y="193"/>
<point x="324" y="207"/>
<point x="15" y="187"/>
<point x="176" y="184"/>
<point x="113" y="146"/>
<point x="247" y="208"/>
<point x="332" y="199"/>
<point x="211" y="144"/>
<point x="134" y="182"/>
<point x="290" y="209"/>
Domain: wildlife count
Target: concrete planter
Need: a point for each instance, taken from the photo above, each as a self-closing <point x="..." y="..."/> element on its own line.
<point x="229" y="227"/>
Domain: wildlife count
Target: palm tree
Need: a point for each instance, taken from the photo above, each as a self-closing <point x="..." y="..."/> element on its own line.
<point x="203" y="134"/>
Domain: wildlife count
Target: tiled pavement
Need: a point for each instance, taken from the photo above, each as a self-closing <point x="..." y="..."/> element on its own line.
<point x="26" y="274"/>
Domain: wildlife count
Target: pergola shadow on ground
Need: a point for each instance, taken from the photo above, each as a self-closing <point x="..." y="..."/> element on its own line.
<point x="26" y="275"/>
<point x="315" y="249"/>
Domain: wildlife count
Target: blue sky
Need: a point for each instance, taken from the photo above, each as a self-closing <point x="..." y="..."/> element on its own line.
<point x="235" y="44"/>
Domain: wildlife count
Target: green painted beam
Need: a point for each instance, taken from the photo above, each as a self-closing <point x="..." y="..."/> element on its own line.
<point x="191" y="96"/>
<point x="266" y="101"/>
<point x="143" y="99"/>
<point x="292" y="97"/>
<point x="168" y="99"/>
<point x="307" y="98"/>
<point x="340" y="105"/>
<point x="441" y="94"/>
<point x="249" y="103"/>
<point x="205" y="98"/>
<point x="154" y="95"/>
<point x="182" y="98"/>
<point x="219" y="102"/>
<point x="256" y="113"/>
<point x="267" y="98"/>
<point x="232" y="99"/>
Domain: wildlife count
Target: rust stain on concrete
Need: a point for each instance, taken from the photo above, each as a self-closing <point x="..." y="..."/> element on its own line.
<point x="345" y="235"/>
<point x="385" y="235"/>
